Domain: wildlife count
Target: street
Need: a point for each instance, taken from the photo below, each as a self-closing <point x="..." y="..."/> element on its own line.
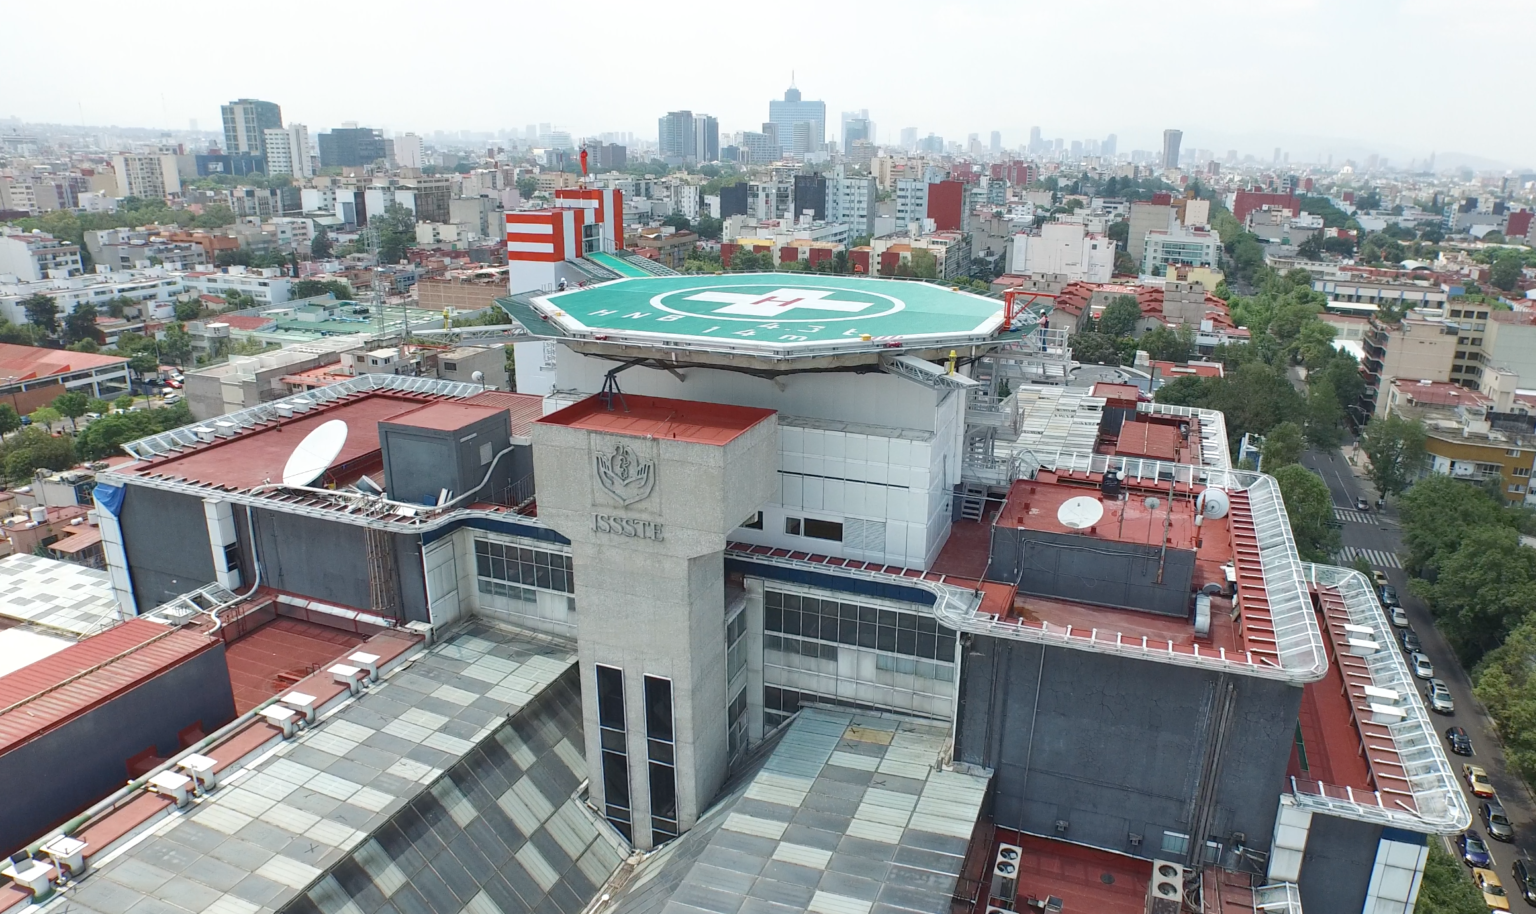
<point x="1377" y="535"/>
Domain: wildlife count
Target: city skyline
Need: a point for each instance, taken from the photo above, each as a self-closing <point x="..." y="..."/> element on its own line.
<point x="1311" y="115"/>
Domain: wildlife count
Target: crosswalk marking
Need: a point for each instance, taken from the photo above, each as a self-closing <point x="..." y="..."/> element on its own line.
<point x="1350" y="514"/>
<point x="1376" y="557"/>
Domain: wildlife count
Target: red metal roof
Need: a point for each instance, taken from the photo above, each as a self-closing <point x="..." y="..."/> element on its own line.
<point x="525" y="408"/>
<point x="1147" y="439"/>
<point x="444" y="416"/>
<point x="658" y="417"/>
<point x="25" y="362"/>
<point x="56" y="689"/>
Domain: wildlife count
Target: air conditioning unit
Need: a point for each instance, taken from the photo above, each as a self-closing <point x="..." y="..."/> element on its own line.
<point x="1165" y="893"/>
<point x="1005" y="872"/>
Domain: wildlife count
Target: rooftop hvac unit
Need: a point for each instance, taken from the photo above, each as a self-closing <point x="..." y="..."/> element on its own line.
<point x="1165" y="893"/>
<point x="1005" y="872"/>
<point x="203" y="433"/>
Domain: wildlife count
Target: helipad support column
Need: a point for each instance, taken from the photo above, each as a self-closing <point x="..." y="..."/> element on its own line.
<point x="647" y="493"/>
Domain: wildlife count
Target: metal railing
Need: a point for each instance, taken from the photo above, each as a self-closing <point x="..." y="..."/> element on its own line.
<point x="1277" y="898"/>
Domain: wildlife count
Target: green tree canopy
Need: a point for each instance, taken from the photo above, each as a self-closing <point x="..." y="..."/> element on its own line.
<point x="42" y="312"/>
<point x="1439" y="512"/>
<point x="1505" y="272"/>
<point x="1282" y="446"/>
<point x="33" y="448"/>
<point x="312" y="288"/>
<point x="1482" y="590"/>
<point x="1165" y="345"/>
<point x="321" y="245"/>
<point x="1445" y="888"/>
<point x="1395" y="447"/>
<point x="80" y="324"/>
<point x="1325" y="416"/>
<point x="72" y="404"/>
<point x="1095" y="348"/>
<point x="1310" y="507"/>
<point x="395" y="229"/>
<point x="1119" y="317"/>
<point x="106" y="436"/>
<point x="10" y="421"/>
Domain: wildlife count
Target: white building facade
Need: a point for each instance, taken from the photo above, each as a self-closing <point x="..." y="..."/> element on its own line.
<point x="1063" y="248"/>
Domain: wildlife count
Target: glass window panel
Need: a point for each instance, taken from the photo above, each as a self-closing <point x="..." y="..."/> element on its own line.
<point x="906" y="642"/>
<point x="867" y="633"/>
<point x="926" y="644"/>
<point x="610" y="697"/>
<point x="658" y="708"/>
<point x="791" y="622"/>
<point x="886" y="641"/>
<point x="616" y="779"/>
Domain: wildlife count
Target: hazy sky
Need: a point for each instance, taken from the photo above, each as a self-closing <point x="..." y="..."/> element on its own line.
<point x="1399" y="77"/>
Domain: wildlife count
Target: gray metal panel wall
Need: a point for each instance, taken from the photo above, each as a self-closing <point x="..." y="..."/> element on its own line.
<point x="1336" y="869"/>
<point x="166" y="541"/>
<point x="419" y="463"/>
<point x="328" y="561"/>
<point x="1116" y="746"/>
<point x="65" y="770"/>
<point x="1094" y="570"/>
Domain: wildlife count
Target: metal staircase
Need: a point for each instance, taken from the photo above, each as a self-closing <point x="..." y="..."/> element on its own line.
<point x="973" y="501"/>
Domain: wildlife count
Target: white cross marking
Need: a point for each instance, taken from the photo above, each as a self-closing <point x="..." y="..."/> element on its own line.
<point x="777" y="302"/>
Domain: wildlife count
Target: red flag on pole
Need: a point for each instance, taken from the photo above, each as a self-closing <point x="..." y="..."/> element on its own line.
<point x="583" y="163"/>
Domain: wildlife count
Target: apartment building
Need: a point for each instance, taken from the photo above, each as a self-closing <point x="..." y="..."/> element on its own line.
<point x="1484" y="436"/>
<point x="31" y="256"/>
<point x="1179" y="247"/>
<point x="152" y="177"/>
<point x="1420" y="346"/>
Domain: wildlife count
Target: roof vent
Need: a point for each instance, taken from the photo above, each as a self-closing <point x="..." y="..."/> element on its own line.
<point x="285" y="410"/>
<point x="225" y="429"/>
<point x="301" y="404"/>
<point x="203" y="433"/>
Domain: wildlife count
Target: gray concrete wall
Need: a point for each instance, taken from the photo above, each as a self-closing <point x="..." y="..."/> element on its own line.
<point x="328" y="561"/>
<point x="1116" y="746"/>
<point x="60" y="773"/>
<point x="1095" y="570"/>
<point x="1336" y="869"/>
<point x="653" y="606"/>
<point x="165" y="537"/>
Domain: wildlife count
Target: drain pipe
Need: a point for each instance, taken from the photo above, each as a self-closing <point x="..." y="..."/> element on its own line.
<point x="250" y="526"/>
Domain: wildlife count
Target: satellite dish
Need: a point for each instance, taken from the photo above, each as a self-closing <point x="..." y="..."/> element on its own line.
<point x="315" y="453"/>
<point x="478" y="377"/>
<point x="1080" y="513"/>
<point x="1151" y="502"/>
<point x="1213" y="503"/>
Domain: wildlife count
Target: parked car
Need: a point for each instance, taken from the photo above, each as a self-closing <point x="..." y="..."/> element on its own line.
<point x="1497" y="823"/>
<point x="1460" y="742"/>
<point x="1474" y="852"/>
<point x="1411" y="642"/>
<point x="1362" y="505"/>
<point x="1422" y="668"/>
<point x="1388" y="595"/>
<point x="1438" y="694"/>
<point x="1399" y="616"/>
<point x="1493" y="891"/>
<point x="1477" y="779"/>
<point x="1525" y="882"/>
<point x="1380" y="577"/>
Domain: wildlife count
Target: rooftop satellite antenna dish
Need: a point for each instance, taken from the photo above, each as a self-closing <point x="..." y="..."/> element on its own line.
<point x="1080" y="513"/>
<point x="1151" y="502"/>
<point x="1213" y="503"/>
<point x="315" y="453"/>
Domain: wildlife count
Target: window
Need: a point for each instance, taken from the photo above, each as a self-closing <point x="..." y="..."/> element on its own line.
<point x="735" y="645"/>
<point x="1175" y="844"/>
<point x="610" y="719"/>
<point x="1521" y="471"/>
<point x="450" y="366"/>
<point x="519" y="565"/>
<point x="855" y="626"/>
<point x="1517" y="489"/>
<point x="824" y="529"/>
<point x="660" y="755"/>
<point x="792" y="526"/>
<point x="1512" y="452"/>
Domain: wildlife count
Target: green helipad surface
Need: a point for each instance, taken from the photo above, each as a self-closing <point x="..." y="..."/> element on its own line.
<point x="774" y="310"/>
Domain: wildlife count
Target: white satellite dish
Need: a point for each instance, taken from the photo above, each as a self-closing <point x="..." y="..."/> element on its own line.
<point x="1213" y="503"/>
<point x="315" y="453"/>
<point x="1080" y="513"/>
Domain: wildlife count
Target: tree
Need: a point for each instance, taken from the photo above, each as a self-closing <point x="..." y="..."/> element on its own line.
<point x="144" y="363"/>
<point x="1438" y="512"/>
<point x="80" y="324"/>
<point x="1119" y="317"/>
<point x="1505" y="272"/>
<point x="678" y="221"/>
<point x="527" y="186"/>
<point x="72" y="404"/>
<point x="1282" y="447"/>
<point x="1165" y="345"/>
<point x="1095" y="348"/>
<point x="1313" y="345"/>
<point x="925" y="265"/>
<point x="42" y="312"/>
<point x="188" y="310"/>
<point x="321" y="245"/>
<point x="45" y="416"/>
<point x="1126" y="265"/>
<point x="125" y="402"/>
<point x="1395" y="447"/>
<point x="1445" y="888"/>
<point x="10" y="421"/>
<point x="710" y="227"/>
<point x="395" y="230"/>
<point x="1310" y="507"/>
<point x="312" y="288"/>
<point x="85" y="345"/>
<point x="1482" y="590"/>
<point x="34" y="448"/>
<point x="1120" y="232"/>
<point x="176" y="345"/>
<point x="1311" y="249"/>
<point x="98" y="406"/>
<point x="1325" y="416"/>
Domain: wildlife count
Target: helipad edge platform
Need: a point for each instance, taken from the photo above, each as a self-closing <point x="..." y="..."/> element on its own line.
<point x="775" y="311"/>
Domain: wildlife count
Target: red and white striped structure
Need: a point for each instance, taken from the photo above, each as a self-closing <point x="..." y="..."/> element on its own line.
<point x="556" y="234"/>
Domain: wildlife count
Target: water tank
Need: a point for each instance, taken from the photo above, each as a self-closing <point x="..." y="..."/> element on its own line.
<point x="38" y="515"/>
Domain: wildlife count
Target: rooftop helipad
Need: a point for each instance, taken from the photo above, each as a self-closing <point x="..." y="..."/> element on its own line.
<point x="771" y="311"/>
